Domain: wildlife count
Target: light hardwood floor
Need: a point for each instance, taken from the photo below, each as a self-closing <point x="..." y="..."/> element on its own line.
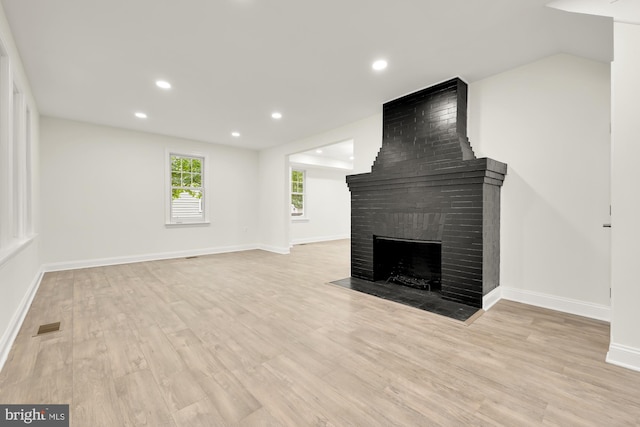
<point x="259" y="339"/>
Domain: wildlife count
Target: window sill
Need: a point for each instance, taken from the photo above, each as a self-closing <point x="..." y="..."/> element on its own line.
<point x="187" y="224"/>
<point x="300" y="219"/>
<point x="15" y="248"/>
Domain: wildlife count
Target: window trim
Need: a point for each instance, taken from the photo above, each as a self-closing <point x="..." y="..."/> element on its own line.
<point x="19" y="152"/>
<point x="16" y="246"/>
<point x="17" y="224"/>
<point x="204" y="220"/>
<point x="29" y="226"/>
<point x="6" y="152"/>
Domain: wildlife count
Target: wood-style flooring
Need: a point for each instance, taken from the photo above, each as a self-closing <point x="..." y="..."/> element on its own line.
<point x="260" y="339"/>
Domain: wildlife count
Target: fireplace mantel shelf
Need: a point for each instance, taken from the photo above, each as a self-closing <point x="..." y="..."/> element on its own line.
<point x="483" y="170"/>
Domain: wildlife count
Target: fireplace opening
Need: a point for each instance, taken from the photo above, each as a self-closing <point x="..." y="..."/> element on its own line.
<point x="413" y="263"/>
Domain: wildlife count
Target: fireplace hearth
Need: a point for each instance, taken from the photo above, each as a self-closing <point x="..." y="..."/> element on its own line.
<point x="428" y="213"/>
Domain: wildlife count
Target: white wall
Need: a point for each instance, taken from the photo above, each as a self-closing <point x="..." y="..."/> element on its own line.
<point x="103" y="196"/>
<point x="20" y="272"/>
<point x="274" y="174"/>
<point x="549" y="121"/>
<point x="625" y="332"/>
<point x="327" y="207"/>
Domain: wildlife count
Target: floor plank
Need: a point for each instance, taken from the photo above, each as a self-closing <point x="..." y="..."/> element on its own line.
<point x="260" y="339"/>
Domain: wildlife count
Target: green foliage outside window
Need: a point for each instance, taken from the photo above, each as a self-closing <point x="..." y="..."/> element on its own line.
<point x="297" y="192"/>
<point x="296" y="200"/>
<point x="186" y="176"/>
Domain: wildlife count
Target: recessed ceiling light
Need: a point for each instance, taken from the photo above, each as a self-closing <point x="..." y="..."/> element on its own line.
<point x="319" y="151"/>
<point x="351" y="158"/>
<point x="235" y="134"/>
<point x="379" y="65"/>
<point x="276" y="115"/>
<point x="141" y="115"/>
<point x="163" y="84"/>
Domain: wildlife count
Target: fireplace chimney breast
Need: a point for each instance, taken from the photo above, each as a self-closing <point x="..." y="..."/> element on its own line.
<point x="427" y="185"/>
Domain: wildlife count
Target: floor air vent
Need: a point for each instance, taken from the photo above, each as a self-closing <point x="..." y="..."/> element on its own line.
<point x="50" y="327"/>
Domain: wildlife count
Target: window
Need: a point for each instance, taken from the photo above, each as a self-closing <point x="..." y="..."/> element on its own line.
<point x="19" y="164"/>
<point x="297" y="193"/>
<point x="187" y="192"/>
<point x="6" y="158"/>
<point x="16" y="217"/>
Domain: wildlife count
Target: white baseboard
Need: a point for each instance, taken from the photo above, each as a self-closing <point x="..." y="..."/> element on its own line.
<point x="621" y="355"/>
<point x="275" y="249"/>
<point x="100" y="262"/>
<point x="320" y="239"/>
<point x="491" y="298"/>
<point x="566" y="305"/>
<point x="19" y="315"/>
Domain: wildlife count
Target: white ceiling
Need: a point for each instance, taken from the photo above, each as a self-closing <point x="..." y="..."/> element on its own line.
<point x="233" y="62"/>
<point x="620" y="10"/>
<point x="336" y="156"/>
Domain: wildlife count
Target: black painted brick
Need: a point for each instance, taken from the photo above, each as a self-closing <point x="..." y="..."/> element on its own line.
<point x="421" y="188"/>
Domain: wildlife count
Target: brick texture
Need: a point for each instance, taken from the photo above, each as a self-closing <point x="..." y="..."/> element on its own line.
<point x="427" y="185"/>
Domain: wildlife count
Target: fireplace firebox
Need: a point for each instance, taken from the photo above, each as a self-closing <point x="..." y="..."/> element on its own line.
<point x="427" y="199"/>
<point x="413" y="263"/>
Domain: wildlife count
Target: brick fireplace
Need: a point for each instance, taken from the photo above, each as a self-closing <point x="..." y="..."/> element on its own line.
<point x="429" y="206"/>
